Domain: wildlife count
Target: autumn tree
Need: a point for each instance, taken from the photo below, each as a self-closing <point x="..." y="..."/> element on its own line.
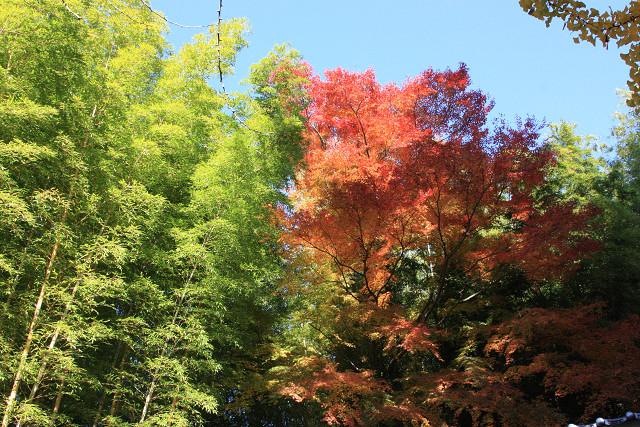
<point x="154" y="271"/>
<point x="572" y="359"/>
<point x="408" y="208"/>
<point x="549" y="366"/>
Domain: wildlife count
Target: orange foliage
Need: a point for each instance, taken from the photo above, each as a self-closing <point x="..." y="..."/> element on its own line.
<point x="345" y="396"/>
<point x="543" y="367"/>
<point x="390" y="169"/>
<point x="410" y="336"/>
<point x="398" y="172"/>
<point x="477" y="397"/>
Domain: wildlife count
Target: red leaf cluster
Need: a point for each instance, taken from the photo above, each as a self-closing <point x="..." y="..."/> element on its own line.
<point x="410" y="336"/>
<point x="345" y="396"/>
<point x="477" y="396"/>
<point x="578" y="355"/>
<point x="391" y="169"/>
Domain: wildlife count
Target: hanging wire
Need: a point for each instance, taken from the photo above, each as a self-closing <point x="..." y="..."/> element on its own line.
<point x="218" y="26"/>
<point x="224" y="90"/>
<point x="175" y="23"/>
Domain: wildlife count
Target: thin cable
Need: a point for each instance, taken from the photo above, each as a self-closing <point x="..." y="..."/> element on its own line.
<point x="220" y="74"/>
<point x="175" y="23"/>
<point x="126" y="14"/>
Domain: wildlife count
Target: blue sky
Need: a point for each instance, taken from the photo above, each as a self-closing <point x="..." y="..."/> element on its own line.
<point x="527" y="68"/>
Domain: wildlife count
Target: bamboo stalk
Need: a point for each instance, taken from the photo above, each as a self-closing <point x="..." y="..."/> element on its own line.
<point x="56" y="406"/>
<point x="52" y="344"/>
<point x="156" y="374"/>
<point x="104" y="394"/>
<point x="114" y="402"/>
<point x="11" y="401"/>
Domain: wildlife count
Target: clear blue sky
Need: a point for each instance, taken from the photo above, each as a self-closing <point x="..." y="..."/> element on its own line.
<point x="527" y="68"/>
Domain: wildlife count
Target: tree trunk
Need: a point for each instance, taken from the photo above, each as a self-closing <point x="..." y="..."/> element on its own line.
<point x="11" y="401"/>
<point x="52" y="344"/>
<point x="173" y="407"/>
<point x="104" y="394"/>
<point x="156" y="374"/>
<point x="56" y="406"/>
<point x="114" y="402"/>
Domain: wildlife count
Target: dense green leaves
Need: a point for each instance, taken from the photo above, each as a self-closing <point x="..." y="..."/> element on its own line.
<point x="135" y="217"/>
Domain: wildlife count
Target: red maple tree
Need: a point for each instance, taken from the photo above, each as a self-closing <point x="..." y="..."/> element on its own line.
<point x="411" y="174"/>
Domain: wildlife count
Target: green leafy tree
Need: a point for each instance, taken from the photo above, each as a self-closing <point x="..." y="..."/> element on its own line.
<point x="578" y="166"/>
<point x="62" y="114"/>
<point x="139" y="257"/>
<point x="616" y="270"/>
<point x="582" y="175"/>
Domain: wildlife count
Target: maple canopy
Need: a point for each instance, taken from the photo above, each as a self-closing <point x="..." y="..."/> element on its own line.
<point x="409" y="206"/>
<point x="395" y="171"/>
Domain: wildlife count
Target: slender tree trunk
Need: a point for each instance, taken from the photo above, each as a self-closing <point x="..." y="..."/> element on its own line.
<point x="104" y="393"/>
<point x="52" y="344"/>
<point x="56" y="406"/>
<point x="147" y="400"/>
<point x="11" y="401"/>
<point x="56" y="334"/>
<point x="114" y="365"/>
<point x="174" y="403"/>
<point x="114" y="402"/>
<point x="156" y="374"/>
